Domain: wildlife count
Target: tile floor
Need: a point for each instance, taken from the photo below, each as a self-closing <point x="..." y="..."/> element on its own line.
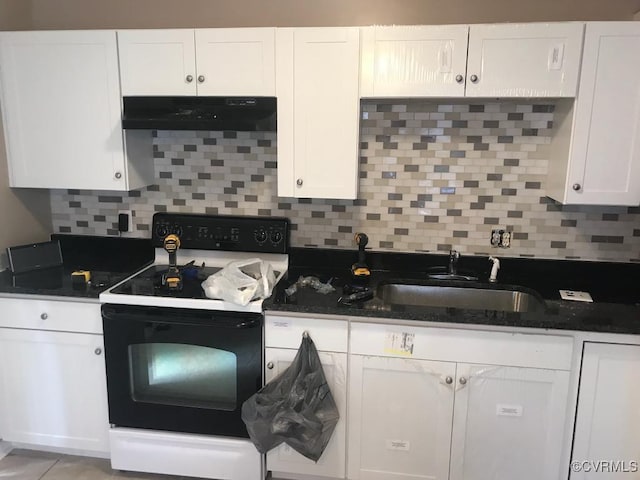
<point x="34" y="465"/>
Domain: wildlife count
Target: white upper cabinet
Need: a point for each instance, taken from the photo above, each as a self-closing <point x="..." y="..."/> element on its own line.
<point x="61" y="111"/>
<point x="216" y="61"/>
<point x="524" y="60"/>
<point x="501" y="60"/>
<point x="317" y="86"/>
<point x="604" y="163"/>
<point x="414" y="61"/>
<point x="157" y="62"/>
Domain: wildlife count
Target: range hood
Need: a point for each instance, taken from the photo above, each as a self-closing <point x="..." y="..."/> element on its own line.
<point x="248" y="114"/>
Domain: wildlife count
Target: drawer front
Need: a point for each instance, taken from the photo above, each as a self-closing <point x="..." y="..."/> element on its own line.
<point x="286" y="332"/>
<point x="464" y="346"/>
<point x="65" y="316"/>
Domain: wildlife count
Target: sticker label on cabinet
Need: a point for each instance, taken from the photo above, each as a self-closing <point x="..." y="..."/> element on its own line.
<point x="281" y="324"/>
<point x="508" y="410"/>
<point x="399" y="343"/>
<point x="403" y="445"/>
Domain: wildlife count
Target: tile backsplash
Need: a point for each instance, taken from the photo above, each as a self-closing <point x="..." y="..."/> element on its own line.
<point x="433" y="176"/>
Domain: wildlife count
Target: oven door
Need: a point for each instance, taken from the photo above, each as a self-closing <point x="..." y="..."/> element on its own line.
<point x="181" y="370"/>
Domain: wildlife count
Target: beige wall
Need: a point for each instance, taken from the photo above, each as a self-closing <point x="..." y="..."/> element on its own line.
<point x="58" y="14"/>
<point x="637" y="16"/>
<point x="25" y="215"/>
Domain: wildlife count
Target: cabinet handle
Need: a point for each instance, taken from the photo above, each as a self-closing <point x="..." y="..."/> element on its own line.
<point x="201" y="78"/>
<point x="577" y="187"/>
<point x="459" y="78"/>
<point x="463" y="381"/>
<point x="44" y="316"/>
<point x="299" y="182"/>
<point x="98" y="351"/>
<point x="270" y="365"/>
<point x="449" y="380"/>
<point x="118" y="175"/>
<point x="189" y="78"/>
<point x="473" y="78"/>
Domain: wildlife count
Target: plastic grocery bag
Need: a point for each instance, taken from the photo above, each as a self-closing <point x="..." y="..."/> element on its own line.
<point x="241" y="281"/>
<point x="296" y="407"/>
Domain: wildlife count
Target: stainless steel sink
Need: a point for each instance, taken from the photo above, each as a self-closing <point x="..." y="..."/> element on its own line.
<point x="511" y="300"/>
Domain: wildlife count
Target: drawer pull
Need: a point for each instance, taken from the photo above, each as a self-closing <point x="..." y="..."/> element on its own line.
<point x="270" y="365"/>
<point x="44" y="316"/>
<point x="98" y="351"/>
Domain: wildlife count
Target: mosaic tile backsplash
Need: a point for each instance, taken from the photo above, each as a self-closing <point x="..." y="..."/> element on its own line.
<point x="433" y="176"/>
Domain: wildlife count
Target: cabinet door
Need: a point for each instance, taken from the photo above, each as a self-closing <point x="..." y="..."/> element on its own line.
<point x="400" y="413"/>
<point x="318" y="112"/>
<point x="53" y="389"/>
<point x="61" y="110"/>
<point x="414" y="61"/>
<point x="157" y="62"/>
<point x="236" y="61"/>
<point x="508" y="423"/>
<point x="608" y="411"/>
<point x="605" y="157"/>
<point x="524" y="60"/>
<point x="284" y="459"/>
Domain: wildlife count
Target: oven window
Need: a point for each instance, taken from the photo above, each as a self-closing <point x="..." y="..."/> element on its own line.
<point x="183" y="375"/>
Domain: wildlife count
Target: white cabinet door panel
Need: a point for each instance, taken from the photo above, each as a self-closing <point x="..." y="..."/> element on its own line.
<point x="284" y="459"/>
<point x="236" y="61"/>
<point x="506" y="419"/>
<point x="400" y="414"/>
<point x="608" y="411"/>
<point x="605" y="157"/>
<point x="53" y="389"/>
<point x="413" y="61"/>
<point x="157" y="62"/>
<point x="318" y="112"/>
<point x="61" y="109"/>
<point x="524" y="60"/>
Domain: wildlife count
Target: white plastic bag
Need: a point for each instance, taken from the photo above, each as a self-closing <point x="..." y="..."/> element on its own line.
<point x="241" y="282"/>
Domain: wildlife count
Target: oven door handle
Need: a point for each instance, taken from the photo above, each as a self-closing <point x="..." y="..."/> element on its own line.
<point x="154" y="316"/>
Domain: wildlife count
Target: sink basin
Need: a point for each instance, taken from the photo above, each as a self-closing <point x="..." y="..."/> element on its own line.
<point x="475" y="298"/>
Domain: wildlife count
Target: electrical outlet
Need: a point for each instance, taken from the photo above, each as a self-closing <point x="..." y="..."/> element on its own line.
<point x="500" y="238"/>
<point x="496" y="236"/>
<point x="125" y="225"/>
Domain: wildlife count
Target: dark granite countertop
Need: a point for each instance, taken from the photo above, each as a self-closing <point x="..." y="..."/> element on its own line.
<point x="615" y="288"/>
<point x="110" y="260"/>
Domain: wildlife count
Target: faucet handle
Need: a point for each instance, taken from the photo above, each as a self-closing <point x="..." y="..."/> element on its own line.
<point x="454" y="254"/>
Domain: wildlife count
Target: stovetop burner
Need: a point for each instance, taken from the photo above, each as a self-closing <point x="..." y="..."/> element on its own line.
<point x="149" y="282"/>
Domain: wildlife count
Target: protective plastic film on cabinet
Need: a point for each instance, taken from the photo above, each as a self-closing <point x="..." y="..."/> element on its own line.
<point x="296" y="408"/>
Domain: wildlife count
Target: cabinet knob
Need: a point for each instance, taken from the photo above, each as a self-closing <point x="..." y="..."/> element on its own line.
<point x="449" y="380"/>
<point x="201" y="78"/>
<point x="473" y="78"/>
<point x="577" y="187"/>
<point x="189" y="78"/>
<point x="44" y="316"/>
<point x="459" y="78"/>
<point x="118" y="175"/>
<point x="98" y="351"/>
<point x="270" y="365"/>
<point x="463" y="381"/>
<point x="299" y="182"/>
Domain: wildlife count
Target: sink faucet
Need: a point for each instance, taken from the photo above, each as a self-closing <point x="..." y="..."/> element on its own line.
<point x="493" y="277"/>
<point x="453" y="261"/>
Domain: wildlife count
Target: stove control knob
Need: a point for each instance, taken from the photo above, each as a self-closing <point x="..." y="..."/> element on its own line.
<point x="261" y="235"/>
<point x="177" y="230"/>
<point x="161" y="231"/>
<point x="276" y="236"/>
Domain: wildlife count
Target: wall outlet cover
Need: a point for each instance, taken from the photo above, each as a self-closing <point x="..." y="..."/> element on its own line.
<point x="575" y="296"/>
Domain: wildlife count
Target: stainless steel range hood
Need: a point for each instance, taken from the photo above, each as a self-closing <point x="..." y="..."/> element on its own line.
<point x="249" y="114"/>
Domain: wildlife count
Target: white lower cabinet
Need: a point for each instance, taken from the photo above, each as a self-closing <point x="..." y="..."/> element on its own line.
<point x="417" y="413"/>
<point x="283" y="336"/>
<point x="400" y="413"/>
<point x="52" y="384"/>
<point x="608" y="414"/>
